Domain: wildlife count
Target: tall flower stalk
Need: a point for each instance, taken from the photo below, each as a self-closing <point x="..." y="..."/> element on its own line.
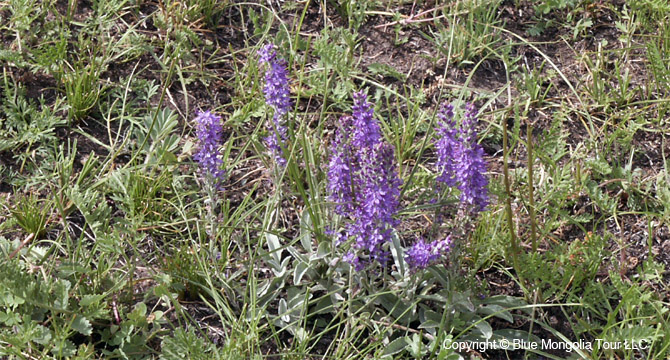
<point x="447" y="146"/>
<point x="364" y="185"/>
<point x="277" y="96"/>
<point x="472" y="168"/>
<point x="209" y="133"/>
<point x="460" y="159"/>
<point x="460" y="164"/>
<point x="423" y="254"/>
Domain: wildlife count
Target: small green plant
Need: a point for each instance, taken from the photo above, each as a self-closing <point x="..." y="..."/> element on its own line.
<point x="545" y="7"/>
<point x="32" y="214"/>
<point x="470" y="33"/>
<point x="82" y="90"/>
<point x="25" y="124"/>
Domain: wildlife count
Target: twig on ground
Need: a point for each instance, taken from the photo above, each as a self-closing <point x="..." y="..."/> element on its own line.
<point x="23" y="243"/>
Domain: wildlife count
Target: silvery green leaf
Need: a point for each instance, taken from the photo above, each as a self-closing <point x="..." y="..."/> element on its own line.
<point x="301" y="334"/>
<point x="274" y="246"/>
<point x="430" y="319"/>
<point x="297" y="254"/>
<point x="484" y="327"/>
<point x="507" y="302"/>
<point x="462" y="302"/>
<point x="299" y="272"/>
<point x="283" y="310"/>
<point x="429" y="324"/>
<point x="323" y="306"/>
<point x="440" y="274"/>
<point x="280" y="269"/>
<point x="497" y="311"/>
<point x="296" y="296"/>
<point x="305" y="231"/>
<point x="395" y="346"/>
<point x="398" y="254"/>
<point x="323" y="250"/>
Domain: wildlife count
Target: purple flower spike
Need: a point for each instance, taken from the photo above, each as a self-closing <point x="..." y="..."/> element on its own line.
<point x="460" y="159"/>
<point x="471" y="168"/>
<point x="382" y="185"/>
<point x="379" y="195"/>
<point x="209" y="131"/>
<point x="277" y="96"/>
<point x="366" y="129"/>
<point x="423" y="254"/>
<point x="341" y="170"/>
<point x="364" y="184"/>
<point x="447" y="146"/>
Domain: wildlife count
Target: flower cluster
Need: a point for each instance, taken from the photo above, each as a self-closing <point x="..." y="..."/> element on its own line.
<point x="460" y="163"/>
<point x="423" y="254"/>
<point x="472" y="167"/>
<point x="447" y="146"/>
<point x="364" y="184"/>
<point x="276" y="91"/>
<point x="460" y="159"/>
<point x="209" y="131"/>
<point x="341" y="169"/>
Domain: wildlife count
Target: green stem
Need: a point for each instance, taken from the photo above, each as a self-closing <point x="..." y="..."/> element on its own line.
<point x="531" y="195"/>
<point x="508" y="201"/>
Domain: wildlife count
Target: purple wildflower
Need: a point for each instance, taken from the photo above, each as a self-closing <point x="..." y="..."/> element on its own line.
<point x="460" y="159"/>
<point x="341" y="169"/>
<point x="276" y="92"/>
<point x="382" y="185"/>
<point x="209" y="131"/>
<point x="447" y="146"/>
<point x="354" y="260"/>
<point x="471" y="165"/>
<point x="366" y="130"/>
<point x="423" y="254"/>
<point x="364" y="184"/>
<point x="379" y="195"/>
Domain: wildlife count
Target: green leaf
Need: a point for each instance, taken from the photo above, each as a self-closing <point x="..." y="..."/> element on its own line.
<point x="185" y="345"/>
<point x="323" y="250"/>
<point x="396" y="346"/>
<point x="462" y="302"/>
<point x="274" y="246"/>
<point x="42" y="335"/>
<point x="82" y="325"/>
<point x="599" y="165"/>
<point x="283" y="310"/>
<point x="299" y="272"/>
<point x="484" y="327"/>
<point x="398" y="254"/>
<point x="306" y="231"/>
<point x="64" y="349"/>
<point x="62" y="293"/>
<point x="507" y="302"/>
<point x="429" y="324"/>
<point x="386" y="70"/>
<point x="138" y="315"/>
<point x="497" y="311"/>
<point x="431" y="320"/>
<point x="91" y="299"/>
